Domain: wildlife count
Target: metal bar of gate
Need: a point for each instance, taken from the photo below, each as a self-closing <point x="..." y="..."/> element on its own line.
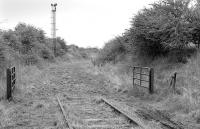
<point x="140" y="76"/>
<point x="151" y="81"/>
<point x="140" y="79"/>
<point x="133" y="75"/>
<point x="150" y="76"/>
<point x="140" y="67"/>
<point x="9" y="83"/>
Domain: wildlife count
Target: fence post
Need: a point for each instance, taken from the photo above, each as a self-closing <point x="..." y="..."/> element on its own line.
<point x="141" y="76"/>
<point x="9" y="88"/>
<point x="151" y="81"/>
<point x="133" y="75"/>
<point x="174" y="84"/>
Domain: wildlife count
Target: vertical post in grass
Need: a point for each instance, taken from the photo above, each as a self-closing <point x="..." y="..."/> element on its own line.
<point x="9" y="88"/>
<point x="133" y="75"/>
<point x="174" y="84"/>
<point x="141" y="76"/>
<point x="151" y="81"/>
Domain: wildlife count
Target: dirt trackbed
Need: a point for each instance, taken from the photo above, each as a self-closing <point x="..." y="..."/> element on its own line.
<point x="79" y="91"/>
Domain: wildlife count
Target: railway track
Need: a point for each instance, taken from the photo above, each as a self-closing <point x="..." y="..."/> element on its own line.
<point x="87" y="113"/>
<point x="101" y="113"/>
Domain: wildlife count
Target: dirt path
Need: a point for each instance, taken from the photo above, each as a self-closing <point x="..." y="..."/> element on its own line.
<point x="36" y="106"/>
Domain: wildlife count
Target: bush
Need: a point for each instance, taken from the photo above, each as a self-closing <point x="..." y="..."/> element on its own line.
<point x="113" y="49"/>
<point x="166" y="27"/>
<point x="31" y="44"/>
<point x="61" y="44"/>
<point x="46" y="54"/>
<point x="11" y="39"/>
<point x="182" y="55"/>
<point x="2" y="56"/>
<point x="161" y="28"/>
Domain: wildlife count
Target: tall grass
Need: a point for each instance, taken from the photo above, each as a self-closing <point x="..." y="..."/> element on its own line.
<point x="184" y="102"/>
<point x="118" y="75"/>
<point x="187" y="98"/>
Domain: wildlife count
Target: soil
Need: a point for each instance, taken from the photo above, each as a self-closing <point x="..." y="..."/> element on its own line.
<point x="79" y="89"/>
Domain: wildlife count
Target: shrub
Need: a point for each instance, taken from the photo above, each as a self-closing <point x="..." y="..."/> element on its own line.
<point x="112" y="50"/>
<point x="11" y="39"/>
<point x="2" y="56"/>
<point x="166" y="27"/>
<point x="162" y="27"/>
<point x="61" y="44"/>
<point x="46" y="54"/>
<point x="30" y="42"/>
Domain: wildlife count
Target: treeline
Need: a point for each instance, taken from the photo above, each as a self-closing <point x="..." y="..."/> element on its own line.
<point x="29" y="44"/>
<point x="167" y="28"/>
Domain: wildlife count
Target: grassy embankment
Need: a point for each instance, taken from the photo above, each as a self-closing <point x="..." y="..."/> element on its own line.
<point x="29" y="50"/>
<point x="184" y="103"/>
<point x="162" y="36"/>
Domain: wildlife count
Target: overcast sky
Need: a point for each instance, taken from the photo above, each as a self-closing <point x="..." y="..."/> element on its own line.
<point x="81" y="22"/>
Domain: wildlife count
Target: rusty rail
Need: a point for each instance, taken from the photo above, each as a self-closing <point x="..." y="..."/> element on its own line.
<point x="64" y="114"/>
<point x="132" y="117"/>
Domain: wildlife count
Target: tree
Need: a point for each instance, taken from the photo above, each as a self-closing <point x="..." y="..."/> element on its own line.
<point x="29" y="36"/>
<point x="11" y="39"/>
<point x="161" y="28"/>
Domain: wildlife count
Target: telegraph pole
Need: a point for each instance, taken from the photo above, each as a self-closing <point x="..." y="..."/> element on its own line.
<point x="53" y="30"/>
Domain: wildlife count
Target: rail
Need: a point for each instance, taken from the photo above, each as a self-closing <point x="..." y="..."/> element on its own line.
<point x="132" y="117"/>
<point x="64" y="114"/>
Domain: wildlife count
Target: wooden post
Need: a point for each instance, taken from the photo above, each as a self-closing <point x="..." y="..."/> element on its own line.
<point x="174" y="82"/>
<point x="151" y="81"/>
<point x="133" y="75"/>
<point x="141" y="76"/>
<point x="9" y="88"/>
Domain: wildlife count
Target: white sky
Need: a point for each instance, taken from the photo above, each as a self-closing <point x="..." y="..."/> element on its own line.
<point x="81" y="22"/>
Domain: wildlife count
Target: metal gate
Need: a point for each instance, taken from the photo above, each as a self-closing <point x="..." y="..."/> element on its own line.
<point x="144" y="77"/>
<point x="11" y="81"/>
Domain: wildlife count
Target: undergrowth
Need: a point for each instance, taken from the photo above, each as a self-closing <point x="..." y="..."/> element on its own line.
<point x="184" y="103"/>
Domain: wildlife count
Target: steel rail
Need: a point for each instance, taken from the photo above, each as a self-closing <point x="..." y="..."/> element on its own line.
<point x="132" y="117"/>
<point x="64" y="114"/>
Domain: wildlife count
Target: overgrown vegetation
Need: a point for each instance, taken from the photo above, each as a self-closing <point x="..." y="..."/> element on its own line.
<point x="165" y="37"/>
<point x="30" y="45"/>
<point x="164" y="28"/>
<point x="27" y="46"/>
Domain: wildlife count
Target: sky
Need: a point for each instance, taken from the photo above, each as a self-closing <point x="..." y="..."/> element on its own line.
<point x="85" y="23"/>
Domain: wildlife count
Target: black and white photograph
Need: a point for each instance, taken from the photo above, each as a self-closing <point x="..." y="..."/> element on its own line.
<point x="99" y="64"/>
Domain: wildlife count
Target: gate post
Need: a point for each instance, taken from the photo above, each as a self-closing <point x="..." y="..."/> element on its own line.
<point x="174" y="83"/>
<point x="133" y="76"/>
<point x="151" y="81"/>
<point x="9" y="88"/>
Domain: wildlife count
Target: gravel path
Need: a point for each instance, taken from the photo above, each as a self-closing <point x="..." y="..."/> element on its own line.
<point x="36" y="107"/>
<point x="79" y="88"/>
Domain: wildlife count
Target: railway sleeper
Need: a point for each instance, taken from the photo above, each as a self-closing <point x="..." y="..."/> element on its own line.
<point x="108" y="126"/>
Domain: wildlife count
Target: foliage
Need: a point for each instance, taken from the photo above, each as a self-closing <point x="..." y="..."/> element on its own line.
<point x="31" y="43"/>
<point x="112" y="50"/>
<point x="29" y="36"/>
<point x="11" y="39"/>
<point x="166" y="27"/>
<point x="61" y="47"/>
<point x="163" y="27"/>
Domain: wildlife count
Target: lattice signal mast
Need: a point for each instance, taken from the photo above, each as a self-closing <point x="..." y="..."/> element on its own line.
<point x="53" y="30"/>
